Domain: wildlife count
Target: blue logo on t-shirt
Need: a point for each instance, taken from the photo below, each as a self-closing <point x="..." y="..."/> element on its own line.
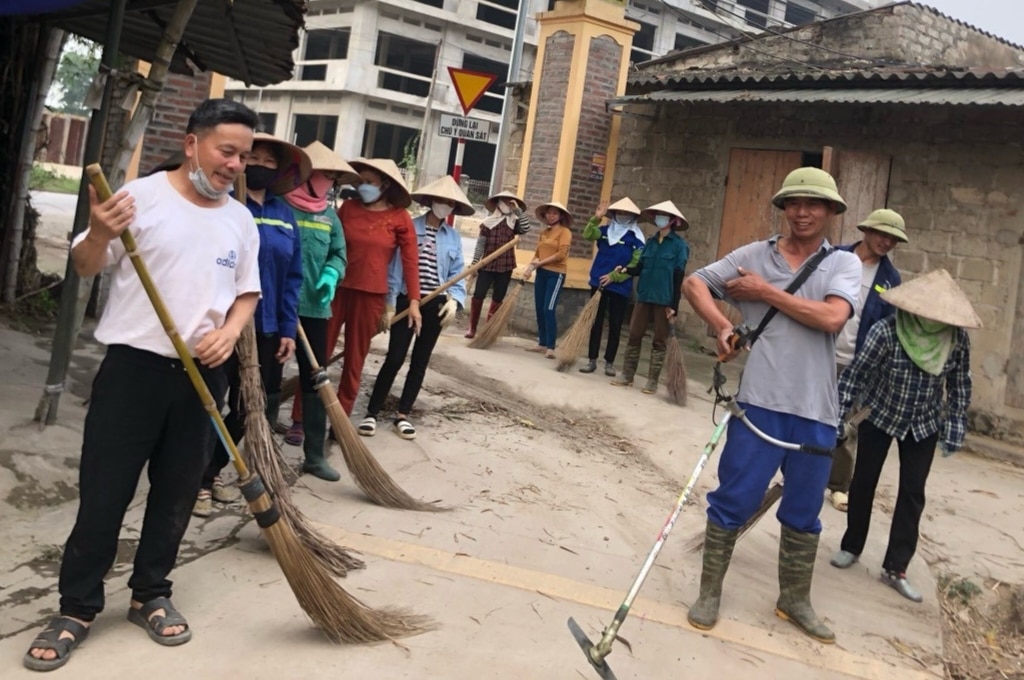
<point x="228" y="261"/>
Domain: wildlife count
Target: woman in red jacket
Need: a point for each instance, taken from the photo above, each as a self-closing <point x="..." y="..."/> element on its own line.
<point x="375" y="227"/>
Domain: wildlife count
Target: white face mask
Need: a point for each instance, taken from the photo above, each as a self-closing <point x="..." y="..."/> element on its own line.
<point x="504" y="208"/>
<point x="200" y="182"/>
<point x="624" y="219"/>
<point x="441" y="210"/>
<point x="661" y="221"/>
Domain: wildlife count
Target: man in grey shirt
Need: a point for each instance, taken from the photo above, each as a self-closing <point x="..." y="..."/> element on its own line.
<point x="788" y="390"/>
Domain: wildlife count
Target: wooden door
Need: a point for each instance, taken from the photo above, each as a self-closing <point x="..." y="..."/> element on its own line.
<point x="863" y="180"/>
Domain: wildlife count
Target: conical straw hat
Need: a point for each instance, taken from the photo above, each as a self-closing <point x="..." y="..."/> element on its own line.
<point x="447" y="189"/>
<point x="934" y="296"/>
<point x="492" y="203"/>
<point x="293" y="164"/>
<point x="542" y="208"/>
<point x="398" y="194"/>
<point x="624" y="205"/>
<point x="323" y="158"/>
<point x="666" y="207"/>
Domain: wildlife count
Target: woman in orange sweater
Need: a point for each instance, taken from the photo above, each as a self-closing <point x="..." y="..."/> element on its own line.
<point x="375" y="227"/>
<point x="549" y="261"/>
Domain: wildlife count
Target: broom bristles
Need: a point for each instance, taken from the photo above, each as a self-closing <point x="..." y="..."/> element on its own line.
<point x="578" y="335"/>
<point x="368" y="474"/>
<point x="675" y="380"/>
<point x="771" y="496"/>
<point x="495" y="328"/>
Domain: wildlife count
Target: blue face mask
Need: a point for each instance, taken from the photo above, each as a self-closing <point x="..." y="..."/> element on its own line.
<point x="369" y="193"/>
<point x="661" y="221"/>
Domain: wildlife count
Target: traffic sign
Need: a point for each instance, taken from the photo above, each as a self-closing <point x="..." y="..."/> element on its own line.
<point x="470" y="86"/>
<point x="461" y="127"/>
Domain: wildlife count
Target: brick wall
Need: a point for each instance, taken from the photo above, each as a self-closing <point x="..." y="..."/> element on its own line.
<point x="180" y="96"/>
<point x="955" y="177"/>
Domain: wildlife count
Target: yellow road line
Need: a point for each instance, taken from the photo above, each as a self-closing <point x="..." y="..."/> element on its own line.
<point x="827" y="657"/>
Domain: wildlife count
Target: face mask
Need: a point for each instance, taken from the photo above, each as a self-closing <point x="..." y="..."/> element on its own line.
<point x="441" y="210"/>
<point x="201" y="183"/>
<point x="369" y="193"/>
<point x="258" y="177"/>
<point x="661" y="221"/>
<point x="320" y="184"/>
<point x="504" y="208"/>
<point x="624" y="220"/>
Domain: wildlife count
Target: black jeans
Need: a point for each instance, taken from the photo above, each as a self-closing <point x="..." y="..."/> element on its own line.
<point x="271" y="371"/>
<point x="398" y="348"/>
<point x="615" y="306"/>
<point x="486" y="279"/>
<point x="143" y="410"/>
<point x="915" y="464"/>
<point x="316" y="333"/>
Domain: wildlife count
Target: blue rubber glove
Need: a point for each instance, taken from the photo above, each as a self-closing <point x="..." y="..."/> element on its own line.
<point x="326" y="286"/>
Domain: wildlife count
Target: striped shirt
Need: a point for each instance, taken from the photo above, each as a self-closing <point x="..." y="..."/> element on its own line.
<point x="428" y="262"/>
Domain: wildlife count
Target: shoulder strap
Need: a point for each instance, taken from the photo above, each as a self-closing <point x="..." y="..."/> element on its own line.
<point x="793" y="287"/>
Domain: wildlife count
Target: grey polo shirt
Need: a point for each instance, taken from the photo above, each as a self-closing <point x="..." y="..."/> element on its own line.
<point x="792" y="367"/>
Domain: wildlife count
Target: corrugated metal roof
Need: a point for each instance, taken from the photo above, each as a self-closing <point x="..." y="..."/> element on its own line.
<point x="990" y="96"/>
<point x="896" y="76"/>
<point x="250" y="40"/>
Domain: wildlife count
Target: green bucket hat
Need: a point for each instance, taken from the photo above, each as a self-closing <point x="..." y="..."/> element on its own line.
<point x="809" y="183"/>
<point x="886" y="221"/>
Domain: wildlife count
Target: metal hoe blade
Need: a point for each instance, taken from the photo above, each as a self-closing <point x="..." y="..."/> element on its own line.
<point x="599" y="665"/>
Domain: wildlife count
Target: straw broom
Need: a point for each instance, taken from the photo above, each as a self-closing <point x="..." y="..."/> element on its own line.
<point x="341" y="617"/>
<point x="675" y="381"/>
<point x="495" y="327"/>
<point x="288" y="387"/>
<point x="366" y="471"/>
<point x="578" y="335"/>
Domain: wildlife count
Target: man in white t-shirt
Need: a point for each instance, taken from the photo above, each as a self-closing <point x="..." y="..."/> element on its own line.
<point x="201" y="248"/>
<point x="883" y="230"/>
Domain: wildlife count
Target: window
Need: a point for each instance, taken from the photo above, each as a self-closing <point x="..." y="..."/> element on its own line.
<point x="685" y="42"/>
<point x="433" y="3"/>
<point x="323" y="45"/>
<point x="757" y="15"/>
<point x="383" y="140"/>
<point x="477" y="162"/>
<point x="492" y="12"/>
<point x="268" y="122"/>
<point x="643" y="43"/>
<point x="798" y="16"/>
<point x="403" y="54"/>
<point x="475" y="63"/>
<point x="310" y="128"/>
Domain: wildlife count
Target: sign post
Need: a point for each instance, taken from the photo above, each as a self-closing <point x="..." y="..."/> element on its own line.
<point x="470" y="86"/>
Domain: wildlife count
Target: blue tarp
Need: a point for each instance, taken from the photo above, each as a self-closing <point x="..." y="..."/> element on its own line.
<point x="36" y="6"/>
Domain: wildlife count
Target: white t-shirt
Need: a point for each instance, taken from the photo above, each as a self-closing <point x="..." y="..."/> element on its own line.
<point x="846" y="341"/>
<point x="201" y="260"/>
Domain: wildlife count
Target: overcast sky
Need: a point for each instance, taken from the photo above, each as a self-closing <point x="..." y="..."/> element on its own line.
<point x="1004" y="18"/>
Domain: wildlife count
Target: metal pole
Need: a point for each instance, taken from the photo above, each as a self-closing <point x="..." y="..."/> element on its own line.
<point x="421" y="148"/>
<point x="74" y="288"/>
<point x="507" y="107"/>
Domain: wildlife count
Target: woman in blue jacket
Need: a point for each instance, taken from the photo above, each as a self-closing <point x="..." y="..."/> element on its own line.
<point x="619" y="244"/>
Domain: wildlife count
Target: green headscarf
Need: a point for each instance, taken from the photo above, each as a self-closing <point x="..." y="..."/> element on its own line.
<point x="926" y="342"/>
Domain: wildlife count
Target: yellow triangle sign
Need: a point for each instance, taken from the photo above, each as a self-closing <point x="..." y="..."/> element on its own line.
<point x="470" y="86"/>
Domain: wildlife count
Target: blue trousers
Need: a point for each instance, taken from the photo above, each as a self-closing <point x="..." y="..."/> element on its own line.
<point x="748" y="464"/>
<point x="546" y="289"/>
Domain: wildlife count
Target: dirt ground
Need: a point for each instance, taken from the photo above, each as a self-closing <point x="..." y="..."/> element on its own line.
<point x="559" y="484"/>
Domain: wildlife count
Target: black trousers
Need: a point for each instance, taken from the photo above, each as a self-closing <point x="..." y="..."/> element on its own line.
<point x="614" y="305"/>
<point x="271" y="371"/>
<point x="915" y="464"/>
<point x="143" y="410"/>
<point x="398" y="347"/>
<point x="486" y="279"/>
<point x="316" y="332"/>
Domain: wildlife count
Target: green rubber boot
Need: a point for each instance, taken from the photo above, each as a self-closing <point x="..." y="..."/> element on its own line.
<point x="629" y="363"/>
<point x="273" y="406"/>
<point x="718" y="545"/>
<point x="314" y="425"/>
<point x="797" y="551"/>
<point x="654" y="372"/>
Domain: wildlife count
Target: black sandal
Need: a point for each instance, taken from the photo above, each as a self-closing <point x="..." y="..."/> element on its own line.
<point x="50" y="639"/>
<point x="156" y="625"/>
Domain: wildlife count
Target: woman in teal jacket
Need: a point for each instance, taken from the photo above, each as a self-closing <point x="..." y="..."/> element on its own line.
<point x="323" y="266"/>
<point x="661" y="269"/>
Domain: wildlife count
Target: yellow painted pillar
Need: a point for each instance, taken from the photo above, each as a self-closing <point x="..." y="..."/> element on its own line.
<point x="571" y="138"/>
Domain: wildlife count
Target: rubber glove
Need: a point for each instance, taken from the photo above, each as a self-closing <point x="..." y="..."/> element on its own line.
<point x="447" y="311"/>
<point x="946" y="450"/>
<point x="326" y="286"/>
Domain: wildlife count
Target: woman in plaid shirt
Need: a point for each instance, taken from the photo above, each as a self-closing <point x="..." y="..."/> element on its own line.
<point x="900" y="372"/>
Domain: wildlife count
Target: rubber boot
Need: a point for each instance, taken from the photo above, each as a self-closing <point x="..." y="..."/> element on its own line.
<point x="654" y="372"/>
<point x="493" y="309"/>
<point x="629" y="363"/>
<point x="718" y="545"/>
<point x="797" y="551"/>
<point x="314" y="422"/>
<point x="273" y="406"/>
<point x="475" y="307"/>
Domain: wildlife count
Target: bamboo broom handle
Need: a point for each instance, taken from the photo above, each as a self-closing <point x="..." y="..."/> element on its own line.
<point x="103" y="192"/>
<point x="469" y="271"/>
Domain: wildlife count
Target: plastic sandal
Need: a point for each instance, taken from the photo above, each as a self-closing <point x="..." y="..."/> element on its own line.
<point x="50" y="639"/>
<point x="295" y="435"/>
<point x="155" y="625"/>
<point x="405" y="429"/>
<point x="368" y="427"/>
